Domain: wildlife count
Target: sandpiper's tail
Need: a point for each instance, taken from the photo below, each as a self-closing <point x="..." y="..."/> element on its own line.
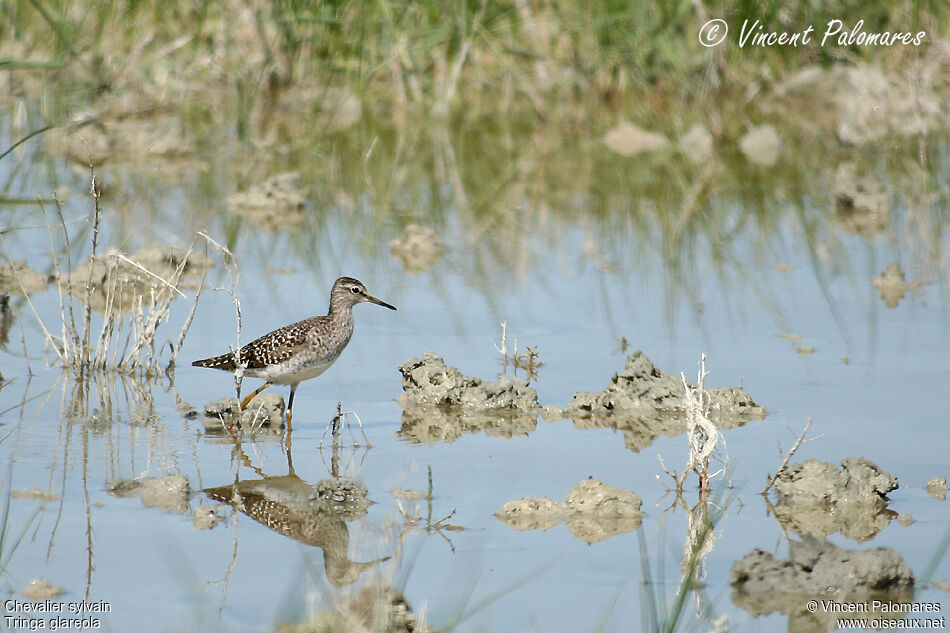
<point x="224" y="361"/>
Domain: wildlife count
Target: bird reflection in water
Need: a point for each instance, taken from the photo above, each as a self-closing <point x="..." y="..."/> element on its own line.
<point x="315" y="515"/>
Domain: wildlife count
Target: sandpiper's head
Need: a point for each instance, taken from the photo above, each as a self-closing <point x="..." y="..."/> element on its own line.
<point x="348" y="292"/>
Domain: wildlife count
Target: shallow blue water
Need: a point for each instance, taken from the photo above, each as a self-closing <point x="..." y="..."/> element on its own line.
<point x="154" y="567"/>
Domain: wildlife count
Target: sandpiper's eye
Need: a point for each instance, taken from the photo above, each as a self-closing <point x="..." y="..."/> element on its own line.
<point x="355" y="289"/>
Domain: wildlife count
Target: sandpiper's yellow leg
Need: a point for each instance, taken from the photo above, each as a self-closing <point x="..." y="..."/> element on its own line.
<point x="290" y="405"/>
<point x="251" y="397"/>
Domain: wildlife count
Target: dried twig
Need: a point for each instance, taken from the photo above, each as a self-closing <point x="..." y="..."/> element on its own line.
<point x="233" y="276"/>
<point x="788" y="456"/>
<point x="703" y="436"/>
<point x="145" y="270"/>
<point x="96" y="192"/>
<point x="502" y="347"/>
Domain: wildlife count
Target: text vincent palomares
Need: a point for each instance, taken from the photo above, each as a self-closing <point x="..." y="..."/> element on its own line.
<point x="833" y="31"/>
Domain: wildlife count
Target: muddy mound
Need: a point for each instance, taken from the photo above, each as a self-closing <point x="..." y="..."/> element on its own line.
<point x="593" y="511"/>
<point x="117" y="137"/>
<point x="893" y="285"/>
<point x="858" y="103"/>
<point x="120" y="283"/>
<point x="429" y="381"/>
<point x="170" y="493"/>
<point x="643" y="403"/>
<point x="18" y="278"/>
<point x="817" y="499"/>
<point x="277" y="202"/>
<point x="263" y="414"/>
<point x="418" y="248"/>
<point x="440" y="403"/>
<point x="818" y="577"/>
<point x="377" y="607"/>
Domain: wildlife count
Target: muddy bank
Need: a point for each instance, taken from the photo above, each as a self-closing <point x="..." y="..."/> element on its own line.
<point x="263" y="414"/>
<point x="817" y="499"/>
<point x="594" y="511"/>
<point x="643" y="403"/>
<point x="440" y="403"/>
<point x="817" y="570"/>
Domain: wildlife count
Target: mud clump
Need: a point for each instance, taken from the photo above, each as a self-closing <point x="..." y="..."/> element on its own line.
<point x="862" y="206"/>
<point x="628" y="139"/>
<point x="378" y="607"/>
<point x="697" y="144"/>
<point x="937" y="488"/>
<point x="818" y="570"/>
<point x="594" y="511"/>
<point x="169" y="493"/>
<point x="34" y="494"/>
<point x="206" y="517"/>
<point x="115" y="284"/>
<point x="344" y="498"/>
<point x="39" y="590"/>
<point x="532" y="513"/>
<point x="817" y="499"/>
<point x="859" y="480"/>
<point x="893" y="285"/>
<point x="263" y="414"/>
<point x="860" y="104"/>
<point x="644" y="403"/>
<point x="20" y="279"/>
<point x="440" y="403"/>
<point x="276" y="202"/>
<point x="122" y="137"/>
<point x="429" y="381"/>
<point x="418" y="248"/>
<point x="761" y="145"/>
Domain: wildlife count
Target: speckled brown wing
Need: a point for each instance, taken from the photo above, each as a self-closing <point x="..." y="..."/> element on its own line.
<point x="270" y="349"/>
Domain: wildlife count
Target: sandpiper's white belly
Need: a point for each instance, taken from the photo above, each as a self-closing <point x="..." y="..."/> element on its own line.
<point x="303" y="350"/>
<point x="293" y="370"/>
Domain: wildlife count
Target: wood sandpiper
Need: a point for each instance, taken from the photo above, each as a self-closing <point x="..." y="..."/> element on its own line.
<point x="299" y="351"/>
